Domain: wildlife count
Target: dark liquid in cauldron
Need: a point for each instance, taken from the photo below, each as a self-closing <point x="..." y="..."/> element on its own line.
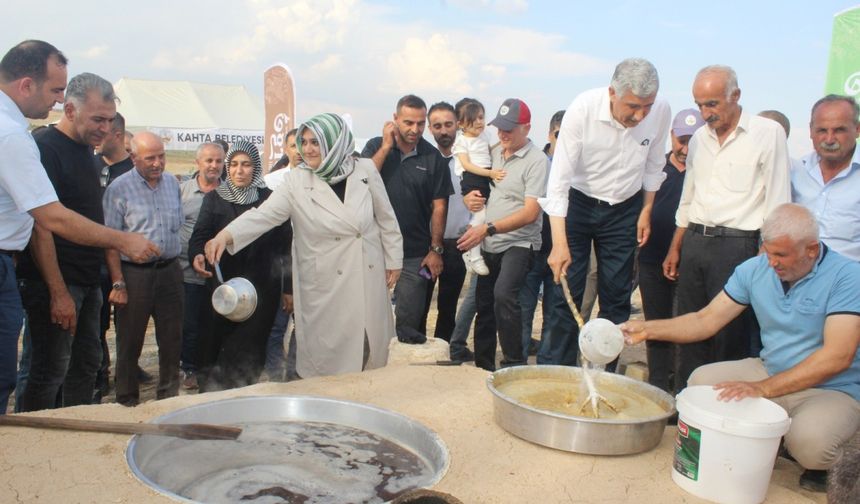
<point x="301" y="463"/>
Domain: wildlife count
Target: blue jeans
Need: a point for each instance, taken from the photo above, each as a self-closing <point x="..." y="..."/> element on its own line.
<point x="465" y="316"/>
<point x="540" y="274"/>
<point x="58" y="358"/>
<point x="275" y="357"/>
<point x="11" y="317"/>
<point x="195" y="296"/>
<point x="23" y="365"/>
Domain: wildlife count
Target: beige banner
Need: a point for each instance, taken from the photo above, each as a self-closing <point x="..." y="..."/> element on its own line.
<point x="280" y="101"/>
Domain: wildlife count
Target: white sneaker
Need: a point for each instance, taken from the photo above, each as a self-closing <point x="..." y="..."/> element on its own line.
<point x="468" y="262"/>
<point x="479" y="266"/>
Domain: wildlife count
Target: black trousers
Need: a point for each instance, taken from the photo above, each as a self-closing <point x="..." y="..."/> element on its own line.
<point x="450" y="283"/>
<point x="498" y="307"/>
<point x="658" y="295"/>
<point x="612" y="230"/>
<point x="707" y="262"/>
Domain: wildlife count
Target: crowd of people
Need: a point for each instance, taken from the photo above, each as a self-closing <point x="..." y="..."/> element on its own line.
<point x="754" y="253"/>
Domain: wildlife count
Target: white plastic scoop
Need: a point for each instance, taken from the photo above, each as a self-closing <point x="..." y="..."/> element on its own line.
<point x="600" y="341"/>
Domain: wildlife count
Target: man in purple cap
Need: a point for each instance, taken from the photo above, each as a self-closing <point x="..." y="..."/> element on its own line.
<point x="657" y="290"/>
<point x="508" y="238"/>
<point x="606" y="169"/>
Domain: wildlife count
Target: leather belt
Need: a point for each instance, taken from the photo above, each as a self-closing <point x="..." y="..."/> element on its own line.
<point x="597" y="202"/>
<point x="714" y="231"/>
<point x="154" y="264"/>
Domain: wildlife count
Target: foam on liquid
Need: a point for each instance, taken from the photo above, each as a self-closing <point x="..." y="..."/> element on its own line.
<point x="565" y="396"/>
<point x="289" y="462"/>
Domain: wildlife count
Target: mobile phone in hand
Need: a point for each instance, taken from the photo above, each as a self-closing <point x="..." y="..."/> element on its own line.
<point x="425" y="272"/>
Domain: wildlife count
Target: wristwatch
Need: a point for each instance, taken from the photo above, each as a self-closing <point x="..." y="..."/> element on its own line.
<point x="491" y="229"/>
<point x="437" y="248"/>
<point x="118" y="285"/>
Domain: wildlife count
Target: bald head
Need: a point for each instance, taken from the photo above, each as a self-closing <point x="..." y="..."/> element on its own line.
<point x="716" y="93"/>
<point x="147" y="153"/>
<point x="779" y="117"/>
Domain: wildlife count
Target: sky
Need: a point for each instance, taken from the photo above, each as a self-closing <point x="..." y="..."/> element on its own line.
<point x="360" y="56"/>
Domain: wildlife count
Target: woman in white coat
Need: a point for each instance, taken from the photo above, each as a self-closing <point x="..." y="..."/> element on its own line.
<point x="347" y="250"/>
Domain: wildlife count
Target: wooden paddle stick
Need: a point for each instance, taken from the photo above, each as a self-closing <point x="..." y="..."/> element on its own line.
<point x="184" y="431"/>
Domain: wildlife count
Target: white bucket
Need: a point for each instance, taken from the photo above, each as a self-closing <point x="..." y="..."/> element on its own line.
<point x="725" y="451"/>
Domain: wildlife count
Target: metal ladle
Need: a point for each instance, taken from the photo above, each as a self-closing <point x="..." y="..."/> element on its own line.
<point x="235" y="299"/>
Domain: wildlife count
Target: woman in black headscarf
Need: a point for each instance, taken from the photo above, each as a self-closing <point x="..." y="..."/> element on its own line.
<point x="232" y="354"/>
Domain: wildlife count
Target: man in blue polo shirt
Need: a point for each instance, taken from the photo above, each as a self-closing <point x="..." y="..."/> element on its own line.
<point x="804" y="295"/>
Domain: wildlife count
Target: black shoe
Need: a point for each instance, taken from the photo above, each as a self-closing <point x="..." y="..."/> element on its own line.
<point x="464" y="355"/>
<point x="534" y="346"/>
<point x="143" y="376"/>
<point x="410" y="336"/>
<point x="814" y="480"/>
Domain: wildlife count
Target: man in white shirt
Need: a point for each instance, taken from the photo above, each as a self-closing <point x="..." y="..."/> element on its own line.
<point x="290" y="160"/>
<point x="32" y="80"/>
<point x="442" y="122"/>
<point x="827" y="181"/>
<point x="737" y="172"/>
<point x="608" y="164"/>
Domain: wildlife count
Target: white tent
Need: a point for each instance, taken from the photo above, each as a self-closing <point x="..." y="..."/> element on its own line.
<point x="186" y="114"/>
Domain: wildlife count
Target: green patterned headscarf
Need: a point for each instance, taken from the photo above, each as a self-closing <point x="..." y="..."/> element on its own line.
<point x="336" y="146"/>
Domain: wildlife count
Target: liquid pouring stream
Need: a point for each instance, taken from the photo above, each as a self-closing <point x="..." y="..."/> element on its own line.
<point x="600" y="342"/>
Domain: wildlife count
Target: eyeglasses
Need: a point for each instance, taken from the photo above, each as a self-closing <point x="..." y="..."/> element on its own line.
<point x="104" y="178"/>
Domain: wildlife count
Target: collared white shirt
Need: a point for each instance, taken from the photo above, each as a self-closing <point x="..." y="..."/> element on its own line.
<point x="458" y="214"/>
<point x="836" y="204"/>
<point x="736" y="184"/>
<point x="276" y="178"/>
<point x="24" y="185"/>
<point x="598" y="156"/>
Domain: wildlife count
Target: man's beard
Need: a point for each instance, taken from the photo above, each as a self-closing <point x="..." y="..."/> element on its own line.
<point x="445" y="141"/>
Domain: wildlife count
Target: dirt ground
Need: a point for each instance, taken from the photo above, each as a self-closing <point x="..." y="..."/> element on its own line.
<point x="149" y="356"/>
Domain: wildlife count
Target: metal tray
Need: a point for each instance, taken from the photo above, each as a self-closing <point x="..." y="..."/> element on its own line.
<point x="578" y="434"/>
<point x="147" y="456"/>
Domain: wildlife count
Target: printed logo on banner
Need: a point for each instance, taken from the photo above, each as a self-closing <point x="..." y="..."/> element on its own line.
<point x="852" y="84"/>
<point x="276" y="139"/>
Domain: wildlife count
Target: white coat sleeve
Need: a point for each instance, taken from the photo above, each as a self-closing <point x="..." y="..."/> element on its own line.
<point x="255" y="222"/>
<point x="389" y="229"/>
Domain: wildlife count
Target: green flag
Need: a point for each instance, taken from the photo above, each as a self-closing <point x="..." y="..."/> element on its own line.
<point x="843" y="69"/>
